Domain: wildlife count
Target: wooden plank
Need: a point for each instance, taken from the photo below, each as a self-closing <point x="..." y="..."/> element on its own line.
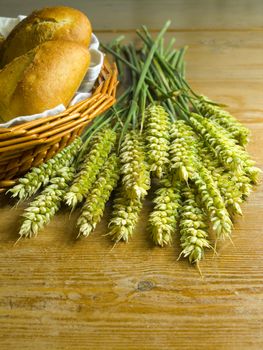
<point x="120" y="15"/>
<point x="52" y="287"/>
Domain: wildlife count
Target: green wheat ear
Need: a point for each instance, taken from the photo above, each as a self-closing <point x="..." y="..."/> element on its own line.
<point x="229" y="154"/>
<point x="225" y="119"/>
<point x="41" y="175"/>
<point x="125" y="216"/>
<point x="182" y="151"/>
<point x="213" y="202"/>
<point x="193" y="227"/>
<point x="228" y="184"/>
<point x="101" y="145"/>
<point x="157" y="127"/>
<point x="163" y="218"/>
<point x="92" y="210"/>
<point x="135" y="175"/>
<point x="42" y="209"/>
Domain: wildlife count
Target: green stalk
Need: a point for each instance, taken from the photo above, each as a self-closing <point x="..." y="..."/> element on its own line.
<point x="130" y="65"/>
<point x="117" y="40"/>
<point x="150" y="58"/>
<point x="143" y="105"/>
<point x="149" y="96"/>
<point x="145" y="92"/>
<point x="174" y="59"/>
<point x="85" y="145"/>
<point x="161" y="48"/>
<point x="98" y="123"/>
<point x="170" y="57"/>
<point x="169" y="48"/>
<point x="172" y="73"/>
<point x="134" y="105"/>
<point x="162" y="76"/>
<point x="180" y="60"/>
<point x="133" y="76"/>
<point x="116" y="44"/>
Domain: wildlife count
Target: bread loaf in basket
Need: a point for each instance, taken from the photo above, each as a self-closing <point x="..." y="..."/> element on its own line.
<point x="52" y="23"/>
<point x="32" y="83"/>
<point x="32" y="143"/>
<point x="42" y="78"/>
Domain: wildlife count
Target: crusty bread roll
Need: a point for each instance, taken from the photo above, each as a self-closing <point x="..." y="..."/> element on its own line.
<point x="54" y="23"/>
<point x="42" y="78"/>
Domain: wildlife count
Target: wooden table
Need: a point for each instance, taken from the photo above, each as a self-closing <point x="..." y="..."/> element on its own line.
<point x="58" y="293"/>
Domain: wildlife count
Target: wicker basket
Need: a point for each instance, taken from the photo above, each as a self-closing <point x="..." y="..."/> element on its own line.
<point x="32" y="143"/>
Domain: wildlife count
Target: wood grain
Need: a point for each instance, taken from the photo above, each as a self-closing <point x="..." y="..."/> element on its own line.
<point x="124" y="15"/>
<point x="59" y="293"/>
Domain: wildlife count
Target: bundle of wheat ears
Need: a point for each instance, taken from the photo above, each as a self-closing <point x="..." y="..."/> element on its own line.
<point x="161" y="130"/>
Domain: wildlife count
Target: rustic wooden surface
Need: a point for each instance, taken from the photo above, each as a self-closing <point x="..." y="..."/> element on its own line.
<point x="58" y="293"/>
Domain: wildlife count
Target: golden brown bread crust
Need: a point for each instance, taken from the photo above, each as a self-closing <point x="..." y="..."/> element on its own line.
<point x="43" y="78"/>
<point x="53" y="23"/>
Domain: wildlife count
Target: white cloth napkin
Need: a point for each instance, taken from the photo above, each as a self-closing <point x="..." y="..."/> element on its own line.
<point x="7" y="24"/>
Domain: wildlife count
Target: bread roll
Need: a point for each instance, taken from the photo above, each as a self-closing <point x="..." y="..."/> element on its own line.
<point x="43" y="78"/>
<point x="54" y="23"/>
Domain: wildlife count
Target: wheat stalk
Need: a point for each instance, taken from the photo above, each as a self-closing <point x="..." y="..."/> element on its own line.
<point x="94" y="205"/>
<point x="125" y="215"/>
<point x="225" y="119"/>
<point x="223" y="147"/>
<point x="100" y="148"/>
<point x="41" y="175"/>
<point x="134" y="169"/>
<point x="46" y="204"/>
<point x="182" y="150"/>
<point x="193" y="227"/>
<point x="163" y="218"/>
<point x="157" y="137"/>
